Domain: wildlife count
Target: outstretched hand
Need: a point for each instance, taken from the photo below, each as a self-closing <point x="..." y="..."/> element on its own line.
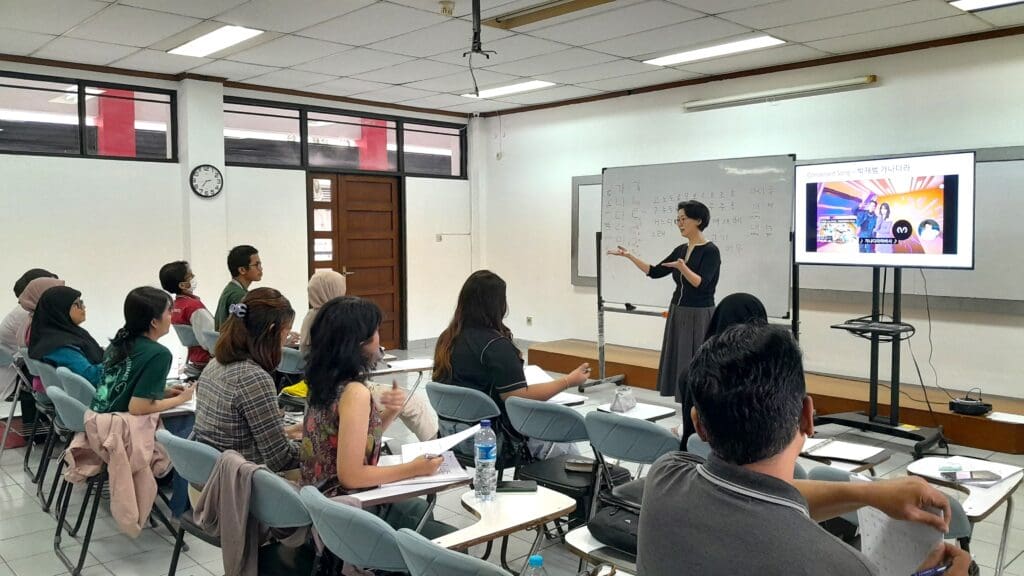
<point x="678" y="264"/>
<point x="619" y="251"/>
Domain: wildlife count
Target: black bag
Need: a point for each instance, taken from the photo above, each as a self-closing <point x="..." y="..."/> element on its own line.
<point x="616" y="526"/>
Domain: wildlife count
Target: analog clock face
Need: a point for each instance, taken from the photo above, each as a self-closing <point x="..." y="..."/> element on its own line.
<point x="206" y="180"/>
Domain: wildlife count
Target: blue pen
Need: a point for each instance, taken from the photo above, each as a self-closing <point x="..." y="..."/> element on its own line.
<point x="933" y="571"/>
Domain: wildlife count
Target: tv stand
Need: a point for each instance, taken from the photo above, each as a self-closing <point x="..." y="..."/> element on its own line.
<point x="891" y="332"/>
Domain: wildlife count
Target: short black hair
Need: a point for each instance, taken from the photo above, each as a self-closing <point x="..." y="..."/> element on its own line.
<point x="173" y="274"/>
<point x="21" y="283"/>
<point x="697" y="211"/>
<point x="748" y="388"/>
<point x="239" y="258"/>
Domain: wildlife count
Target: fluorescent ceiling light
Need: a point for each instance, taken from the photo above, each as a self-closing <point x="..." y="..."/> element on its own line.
<point x="779" y="93"/>
<point x="72" y="95"/>
<point x="513" y="89"/>
<point x="716" y="51"/>
<point x="972" y="5"/>
<point x="215" y="41"/>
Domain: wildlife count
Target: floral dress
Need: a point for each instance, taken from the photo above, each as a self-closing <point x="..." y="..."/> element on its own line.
<point x="319" y="452"/>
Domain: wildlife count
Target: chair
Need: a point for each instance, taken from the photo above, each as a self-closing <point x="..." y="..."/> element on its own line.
<point x="424" y="558"/>
<point x="21" y="383"/>
<point x="193" y="461"/>
<point x="77" y="387"/>
<point x="44" y="409"/>
<point x="291" y="367"/>
<point x="51" y="381"/>
<point x="208" y="339"/>
<point x="459" y="408"/>
<point x="72" y="415"/>
<point x="275" y="503"/>
<point x="353" y="534"/>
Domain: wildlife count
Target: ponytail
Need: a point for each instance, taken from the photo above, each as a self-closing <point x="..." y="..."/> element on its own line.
<point x="141" y="307"/>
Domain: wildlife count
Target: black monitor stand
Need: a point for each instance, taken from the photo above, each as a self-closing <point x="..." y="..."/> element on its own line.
<point x="890" y="332"/>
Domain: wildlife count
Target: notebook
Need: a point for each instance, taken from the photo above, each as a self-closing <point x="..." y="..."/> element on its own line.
<point x="832" y="449"/>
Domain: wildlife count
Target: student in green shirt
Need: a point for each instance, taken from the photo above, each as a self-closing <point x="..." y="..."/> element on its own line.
<point x="135" y="366"/>
<point x="245" y="267"/>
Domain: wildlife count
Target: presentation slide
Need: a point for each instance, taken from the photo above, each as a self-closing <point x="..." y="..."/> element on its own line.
<point x="910" y="212"/>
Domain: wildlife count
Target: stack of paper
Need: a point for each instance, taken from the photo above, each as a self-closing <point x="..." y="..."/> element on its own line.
<point x="450" y="470"/>
<point x="832" y="449"/>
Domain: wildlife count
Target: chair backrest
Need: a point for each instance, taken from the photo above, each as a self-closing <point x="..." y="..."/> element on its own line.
<point x="30" y="364"/>
<point x="352" y="534"/>
<point x="292" y="361"/>
<point x="461" y="404"/>
<point x="186" y="335"/>
<point x="194" y="461"/>
<point x="208" y="339"/>
<point x="48" y="375"/>
<point x="545" y="421"/>
<point x="77" y="387"/>
<point x="424" y="558"/>
<point x="629" y="439"/>
<point x="70" y="411"/>
<point x="6" y="356"/>
<point x="698" y="447"/>
<point x="275" y="502"/>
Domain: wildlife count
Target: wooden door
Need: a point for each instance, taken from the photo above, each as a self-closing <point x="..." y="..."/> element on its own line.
<point x="355" y="228"/>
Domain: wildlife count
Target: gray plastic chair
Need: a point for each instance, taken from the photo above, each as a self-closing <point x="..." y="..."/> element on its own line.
<point x="459" y="408"/>
<point x="424" y="558"/>
<point x="77" y="387"/>
<point x="352" y="534"/>
<point x="21" y="382"/>
<point x="51" y="381"/>
<point x="193" y="461"/>
<point x="292" y="361"/>
<point x="208" y="339"/>
<point x="630" y="439"/>
<point x="545" y="421"/>
<point x="186" y="335"/>
<point x="830" y="474"/>
<point x="44" y="410"/>
<point x="276" y="503"/>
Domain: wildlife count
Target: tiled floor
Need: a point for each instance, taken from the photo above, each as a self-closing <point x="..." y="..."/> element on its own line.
<point x="26" y="533"/>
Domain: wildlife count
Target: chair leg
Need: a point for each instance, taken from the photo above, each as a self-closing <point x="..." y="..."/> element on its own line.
<point x="81" y="513"/>
<point x="10" y="419"/>
<point x="44" y="466"/>
<point x="179" y="540"/>
<point x="53" y="486"/>
<point x="31" y="441"/>
<point x="487" y="550"/>
<point x="92" y="524"/>
<point x="63" y="503"/>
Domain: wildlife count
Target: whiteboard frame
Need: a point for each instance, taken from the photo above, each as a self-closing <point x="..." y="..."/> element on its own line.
<point x="577" y="278"/>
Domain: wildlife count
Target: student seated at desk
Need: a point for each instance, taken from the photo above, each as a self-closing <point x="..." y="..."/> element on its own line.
<point x="344" y="424"/>
<point x="12" y="331"/>
<point x="28" y="301"/>
<point x="245" y="267"/>
<point x="57" y="338"/>
<point x="417" y="415"/>
<point x="178" y="279"/>
<point x="751" y="407"/>
<point x="236" y="400"/>
<point x="476" y="351"/>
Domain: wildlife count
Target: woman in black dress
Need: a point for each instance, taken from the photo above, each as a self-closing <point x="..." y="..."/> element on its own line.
<point x="694" y="266"/>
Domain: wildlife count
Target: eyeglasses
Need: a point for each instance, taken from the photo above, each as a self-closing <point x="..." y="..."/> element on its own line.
<point x="681" y="219"/>
<point x="256" y="265"/>
<point x="79" y="304"/>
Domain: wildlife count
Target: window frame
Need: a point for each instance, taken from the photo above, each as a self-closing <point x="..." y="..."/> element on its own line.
<point x="277" y="106"/>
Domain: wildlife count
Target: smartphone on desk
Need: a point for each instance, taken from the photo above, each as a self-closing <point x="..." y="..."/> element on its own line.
<point x="967" y="477"/>
<point x="516" y="486"/>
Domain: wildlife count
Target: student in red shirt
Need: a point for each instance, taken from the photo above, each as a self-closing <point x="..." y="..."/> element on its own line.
<point x="188" y="310"/>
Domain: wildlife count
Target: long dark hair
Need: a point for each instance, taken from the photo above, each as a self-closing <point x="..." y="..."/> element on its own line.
<point x="141" y="307"/>
<point x="341" y="329"/>
<point x="482" y="304"/>
<point x="253" y="330"/>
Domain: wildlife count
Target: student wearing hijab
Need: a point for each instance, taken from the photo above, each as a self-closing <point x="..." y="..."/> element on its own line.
<point x="739" y="308"/>
<point x="57" y="337"/>
<point x="325" y="285"/>
<point x="28" y="300"/>
<point x="12" y="331"/>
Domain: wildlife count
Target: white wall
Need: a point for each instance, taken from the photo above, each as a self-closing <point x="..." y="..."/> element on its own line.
<point x="964" y="96"/>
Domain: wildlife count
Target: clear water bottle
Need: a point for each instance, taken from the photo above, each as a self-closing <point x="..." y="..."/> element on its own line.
<point x="535" y="566"/>
<point x="485" y="451"/>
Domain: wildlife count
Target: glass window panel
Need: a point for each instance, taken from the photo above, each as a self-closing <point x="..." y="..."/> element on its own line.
<point x="321" y="190"/>
<point x="432" y="150"/>
<point x="323" y="249"/>
<point x="38" y="116"/>
<point x="127" y="123"/>
<point x="322" y="220"/>
<point x="351" y="142"/>
<point x="261" y="135"/>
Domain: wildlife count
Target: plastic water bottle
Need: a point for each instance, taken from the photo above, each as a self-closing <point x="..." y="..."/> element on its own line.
<point x="535" y="567"/>
<point x="485" y="445"/>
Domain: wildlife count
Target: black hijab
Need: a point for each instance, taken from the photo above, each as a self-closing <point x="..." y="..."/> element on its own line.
<point x="52" y="327"/>
<point x="739" y="308"/>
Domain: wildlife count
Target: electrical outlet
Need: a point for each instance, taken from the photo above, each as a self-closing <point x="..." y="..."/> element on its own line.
<point x="438" y="238"/>
<point x="529" y="320"/>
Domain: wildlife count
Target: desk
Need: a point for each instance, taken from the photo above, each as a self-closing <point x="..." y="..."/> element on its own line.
<point x="568" y="399"/>
<point x="584" y="545"/>
<point x="852" y="466"/>
<point x="420" y="365"/>
<point x="649" y="412"/>
<point x="981" y="501"/>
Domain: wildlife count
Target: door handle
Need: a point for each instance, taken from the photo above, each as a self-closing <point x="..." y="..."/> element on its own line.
<point x="344" y="270"/>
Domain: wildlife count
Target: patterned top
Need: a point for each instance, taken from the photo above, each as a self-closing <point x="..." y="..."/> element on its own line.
<point x="319" y="452"/>
<point x="236" y="409"/>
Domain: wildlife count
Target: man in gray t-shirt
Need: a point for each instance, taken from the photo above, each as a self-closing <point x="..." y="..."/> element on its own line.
<point x="742" y="512"/>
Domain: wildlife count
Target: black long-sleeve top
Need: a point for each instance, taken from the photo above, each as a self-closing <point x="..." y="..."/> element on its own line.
<point x="705" y="261"/>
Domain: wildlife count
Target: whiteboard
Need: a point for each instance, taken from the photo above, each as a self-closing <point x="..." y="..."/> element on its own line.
<point x="751" y="204"/>
<point x="998" y="262"/>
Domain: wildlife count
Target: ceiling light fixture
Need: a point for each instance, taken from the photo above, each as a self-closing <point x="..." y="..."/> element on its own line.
<point x="215" y="41"/>
<point x="780" y="93"/>
<point x="539" y="12"/>
<point x="716" y="51"/>
<point x="973" y="5"/>
<point x="512" y="89"/>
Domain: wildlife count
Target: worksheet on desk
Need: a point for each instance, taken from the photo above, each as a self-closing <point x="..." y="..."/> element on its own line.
<point x="896" y="547"/>
<point x="437" y="446"/>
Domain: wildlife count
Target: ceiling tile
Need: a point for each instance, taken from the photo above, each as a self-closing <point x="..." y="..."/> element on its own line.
<point x="473" y="106"/>
<point x="506" y="50"/>
<point x="159" y="61"/>
<point x="597" y="72"/>
<point x="661" y="76"/>
<point x="21" y="43"/>
<point x="289" y="79"/>
<point x="353" y="61"/>
<point x="670" y="38"/>
<point x="84" y="51"/>
<point x="394" y="94"/>
<point x="554" y="94"/>
<point x="898" y="15"/>
<point x="47" y="16"/>
<point x="132" y="26"/>
<point x="346" y="86"/>
<point x="410" y="72"/>
<point x="236" y="71"/>
<point x="438" y="101"/>
<point x="283" y="16"/>
<point x="571" y="58"/>
<point x="793" y="11"/>
<point x="375" y="22"/>
<point x="194" y="8"/>
<point x="908" y="34"/>
<point x="444" y="37"/>
<point x="755" y="59"/>
<point x="287" y="51"/>
<point x="616" y="23"/>
<point x="1008" y="16"/>
<point x="719" y="6"/>
<point x="462" y="82"/>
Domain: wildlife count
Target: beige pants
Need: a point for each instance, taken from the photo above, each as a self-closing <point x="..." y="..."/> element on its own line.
<point x="418" y="415"/>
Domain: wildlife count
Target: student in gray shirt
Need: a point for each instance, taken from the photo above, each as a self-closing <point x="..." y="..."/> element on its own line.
<point x="741" y="512"/>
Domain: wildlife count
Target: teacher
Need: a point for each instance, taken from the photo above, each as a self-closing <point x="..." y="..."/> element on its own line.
<point x="694" y="267"/>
